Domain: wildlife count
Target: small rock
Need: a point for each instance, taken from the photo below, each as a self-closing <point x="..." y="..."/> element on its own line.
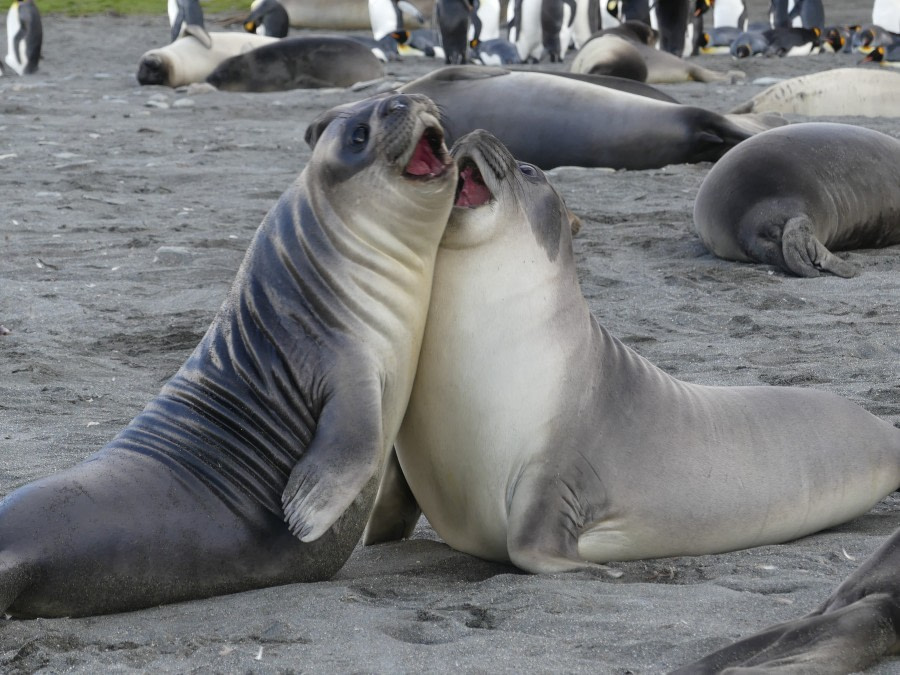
<point x="173" y="255"/>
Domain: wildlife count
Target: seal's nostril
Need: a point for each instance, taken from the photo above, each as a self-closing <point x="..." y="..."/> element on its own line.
<point x="396" y="105"/>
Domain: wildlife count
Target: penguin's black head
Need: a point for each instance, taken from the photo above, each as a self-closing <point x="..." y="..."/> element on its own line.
<point x="874" y="56"/>
<point x="401" y="36"/>
<point x="742" y="51"/>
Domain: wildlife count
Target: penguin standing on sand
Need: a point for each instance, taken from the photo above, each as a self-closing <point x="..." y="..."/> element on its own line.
<point x="886" y="13"/>
<point x="386" y="16"/>
<point x="730" y="13"/>
<point x="267" y="17"/>
<point x="453" y="17"/>
<point x="24" y="35"/>
<point x="186" y="18"/>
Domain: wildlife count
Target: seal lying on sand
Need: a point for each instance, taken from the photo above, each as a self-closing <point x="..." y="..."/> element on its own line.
<point x="188" y="60"/>
<point x="298" y="63"/>
<point x="842" y="91"/>
<point x="534" y="436"/>
<point x="280" y="420"/>
<point x="787" y="196"/>
<point x="615" y="55"/>
<point x="849" y="632"/>
<point x="577" y="123"/>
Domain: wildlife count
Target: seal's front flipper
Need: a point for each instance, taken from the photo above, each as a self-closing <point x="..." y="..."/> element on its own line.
<point x="344" y="455"/>
<point x="543" y="523"/>
<point x="396" y="510"/>
<point x="200" y="33"/>
<point x="14" y="579"/>
<point x="806" y="256"/>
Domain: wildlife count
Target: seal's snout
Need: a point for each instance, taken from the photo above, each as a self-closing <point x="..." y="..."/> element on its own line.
<point x="152" y="70"/>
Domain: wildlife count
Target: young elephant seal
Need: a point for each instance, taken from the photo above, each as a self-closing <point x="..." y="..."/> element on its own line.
<point x="789" y="196"/>
<point x="534" y="436"/>
<point x="280" y="420"/>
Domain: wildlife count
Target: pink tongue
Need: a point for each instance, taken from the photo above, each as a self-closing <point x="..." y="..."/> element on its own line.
<point x="424" y="162"/>
<point x="473" y="193"/>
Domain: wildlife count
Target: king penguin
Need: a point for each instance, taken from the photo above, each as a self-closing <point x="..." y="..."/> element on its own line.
<point x="186" y="18"/>
<point x="24" y="35"/>
<point x="267" y="17"/>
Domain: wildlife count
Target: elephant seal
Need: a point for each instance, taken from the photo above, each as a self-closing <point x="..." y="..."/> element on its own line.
<point x="781" y="198"/>
<point x="187" y="60"/>
<point x="258" y="461"/>
<point x="848" y="633"/>
<point x="577" y="123"/>
<point x="310" y="62"/>
<point x="843" y="91"/>
<point x="534" y="436"/>
<point x="612" y="54"/>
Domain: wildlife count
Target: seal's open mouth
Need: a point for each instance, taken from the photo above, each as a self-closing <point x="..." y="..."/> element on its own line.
<point x="427" y="160"/>
<point x="471" y="192"/>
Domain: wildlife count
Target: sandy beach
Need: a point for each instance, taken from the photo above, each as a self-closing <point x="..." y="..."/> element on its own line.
<point x="124" y="214"/>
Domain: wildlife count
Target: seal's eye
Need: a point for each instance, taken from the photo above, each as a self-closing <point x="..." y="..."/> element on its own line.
<point x="528" y="170"/>
<point x="360" y="135"/>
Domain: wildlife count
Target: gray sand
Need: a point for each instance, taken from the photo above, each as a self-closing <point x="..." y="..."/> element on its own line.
<point x="124" y="213"/>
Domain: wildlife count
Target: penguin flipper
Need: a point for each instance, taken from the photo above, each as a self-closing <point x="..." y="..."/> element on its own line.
<point x="176" y="25"/>
<point x="199" y="33"/>
<point x="411" y="9"/>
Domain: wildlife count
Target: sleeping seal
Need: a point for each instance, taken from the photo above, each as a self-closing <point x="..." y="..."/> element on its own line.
<point x="258" y="461"/>
<point x="309" y="62"/>
<point x="534" y="436"/>
<point x="839" y="92"/>
<point x="782" y="199"/>
<point x="577" y="123"/>
<point x="187" y="60"/>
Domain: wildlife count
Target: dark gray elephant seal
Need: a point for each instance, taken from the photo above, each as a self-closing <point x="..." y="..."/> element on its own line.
<point x="787" y="196"/>
<point x="854" y="628"/>
<point x="310" y="62"/>
<point x="534" y="436"/>
<point x="577" y="123"/>
<point x="280" y="420"/>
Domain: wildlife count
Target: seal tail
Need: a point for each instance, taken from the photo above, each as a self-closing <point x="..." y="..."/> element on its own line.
<point x="806" y="256"/>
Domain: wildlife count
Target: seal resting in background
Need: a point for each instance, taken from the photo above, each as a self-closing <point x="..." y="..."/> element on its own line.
<point x="787" y="196"/>
<point x="848" y="633"/>
<point x="298" y="63"/>
<point x="258" y="462"/>
<point x="534" y="436"/>
<point x="842" y="91"/>
<point x="578" y="123"/>
<point x="188" y="60"/>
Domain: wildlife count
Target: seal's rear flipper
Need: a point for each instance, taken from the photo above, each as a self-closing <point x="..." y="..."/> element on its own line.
<point x="200" y="33"/>
<point x="848" y="640"/>
<point x="344" y="455"/>
<point x="806" y="256"/>
<point x="396" y="510"/>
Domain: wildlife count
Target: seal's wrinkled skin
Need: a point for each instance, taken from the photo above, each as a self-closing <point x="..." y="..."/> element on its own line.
<point x="280" y="420"/>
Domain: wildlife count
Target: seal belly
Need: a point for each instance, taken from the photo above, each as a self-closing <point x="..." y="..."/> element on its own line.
<point x="781" y="453"/>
